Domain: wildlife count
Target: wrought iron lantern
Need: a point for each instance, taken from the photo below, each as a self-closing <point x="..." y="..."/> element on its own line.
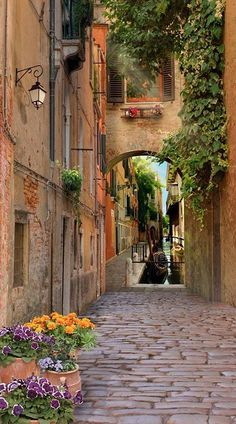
<point x="37" y="91"/>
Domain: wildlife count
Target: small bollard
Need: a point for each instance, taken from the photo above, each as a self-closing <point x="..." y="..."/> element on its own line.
<point x="128" y="271"/>
<point x="135" y="263"/>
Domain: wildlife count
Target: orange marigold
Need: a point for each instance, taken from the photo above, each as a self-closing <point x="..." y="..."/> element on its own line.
<point x="51" y="325"/>
<point x="70" y="329"/>
<point x="60" y="321"/>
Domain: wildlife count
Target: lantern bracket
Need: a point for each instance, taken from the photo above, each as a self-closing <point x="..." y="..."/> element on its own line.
<point x="20" y="73"/>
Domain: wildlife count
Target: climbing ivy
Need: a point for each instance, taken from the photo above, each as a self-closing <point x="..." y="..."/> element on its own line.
<point x="199" y="149"/>
<point x="193" y="29"/>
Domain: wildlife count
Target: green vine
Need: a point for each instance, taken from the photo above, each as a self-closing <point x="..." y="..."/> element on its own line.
<point x="72" y="182"/>
<point x="199" y="149"/>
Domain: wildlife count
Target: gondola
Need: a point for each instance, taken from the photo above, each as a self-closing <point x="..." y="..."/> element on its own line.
<point x="157" y="266"/>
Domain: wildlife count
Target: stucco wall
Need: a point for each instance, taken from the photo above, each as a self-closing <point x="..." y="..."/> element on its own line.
<point x="228" y="186"/>
<point x="137" y="134"/>
<point x="35" y="191"/>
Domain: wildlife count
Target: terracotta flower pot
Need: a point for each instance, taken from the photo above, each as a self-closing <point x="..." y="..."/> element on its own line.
<point x="71" y="378"/>
<point x="18" y="369"/>
<point x="36" y="422"/>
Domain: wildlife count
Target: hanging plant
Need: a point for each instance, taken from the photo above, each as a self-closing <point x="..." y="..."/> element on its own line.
<point x="72" y="182"/>
<point x="199" y="149"/>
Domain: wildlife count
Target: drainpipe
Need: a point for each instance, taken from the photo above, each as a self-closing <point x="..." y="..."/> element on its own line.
<point x="5" y="59"/>
<point x="52" y="80"/>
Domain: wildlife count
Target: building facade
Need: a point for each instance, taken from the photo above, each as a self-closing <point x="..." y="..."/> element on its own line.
<point x="50" y="249"/>
<point x="122" y="208"/>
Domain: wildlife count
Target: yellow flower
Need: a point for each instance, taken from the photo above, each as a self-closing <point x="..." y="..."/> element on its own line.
<point x="29" y="324"/>
<point x="39" y="329"/>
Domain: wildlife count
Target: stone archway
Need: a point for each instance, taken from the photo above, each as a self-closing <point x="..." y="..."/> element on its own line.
<point x="128" y="154"/>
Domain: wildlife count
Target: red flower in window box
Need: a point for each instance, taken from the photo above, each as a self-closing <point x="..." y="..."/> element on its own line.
<point x="133" y="112"/>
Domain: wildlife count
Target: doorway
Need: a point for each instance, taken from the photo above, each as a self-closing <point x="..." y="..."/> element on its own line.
<point x="66" y="243"/>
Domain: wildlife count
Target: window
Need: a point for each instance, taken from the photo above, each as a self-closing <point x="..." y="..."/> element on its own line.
<point x="91" y="250"/>
<point x="76" y="16"/>
<point x="91" y="173"/>
<point x="20" y="254"/>
<point x="115" y="86"/>
<point x="126" y="168"/>
<point x="75" y="244"/>
<point x="81" y="250"/>
<point x="66" y="129"/>
<point x="81" y="143"/>
<point x="168" y="80"/>
<point x="128" y="206"/>
<point x="160" y="90"/>
<point x="113" y="183"/>
<point x="103" y="153"/>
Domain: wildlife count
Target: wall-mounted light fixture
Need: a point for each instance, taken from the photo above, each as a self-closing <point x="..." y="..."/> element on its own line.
<point x="37" y="92"/>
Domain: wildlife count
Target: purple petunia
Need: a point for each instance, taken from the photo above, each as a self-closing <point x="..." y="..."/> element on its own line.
<point x="3" y="403"/>
<point x="47" y="387"/>
<point x="6" y="350"/>
<point x="55" y="404"/>
<point x="17" y="410"/>
<point x="35" y="346"/>
<point x="4" y="331"/>
<point x="13" y="386"/>
<point x="2" y="387"/>
<point x="31" y="394"/>
<point x="78" y="398"/>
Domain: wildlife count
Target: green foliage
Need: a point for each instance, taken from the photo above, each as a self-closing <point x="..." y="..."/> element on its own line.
<point x="38" y="407"/>
<point x="147" y="29"/>
<point x="193" y="29"/>
<point x="199" y="149"/>
<point x="83" y="15"/>
<point x="72" y="182"/>
<point x="165" y="222"/>
<point x="147" y="184"/>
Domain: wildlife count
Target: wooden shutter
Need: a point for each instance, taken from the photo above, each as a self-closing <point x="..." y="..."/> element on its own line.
<point x="115" y="86"/>
<point x="103" y="153"/>
<point x="168" y="80"/>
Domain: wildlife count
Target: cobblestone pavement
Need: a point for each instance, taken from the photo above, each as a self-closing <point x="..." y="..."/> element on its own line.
<point x="163" y="357"/>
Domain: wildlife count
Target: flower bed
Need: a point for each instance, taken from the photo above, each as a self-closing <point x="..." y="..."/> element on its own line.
<point x="36" y="399"/>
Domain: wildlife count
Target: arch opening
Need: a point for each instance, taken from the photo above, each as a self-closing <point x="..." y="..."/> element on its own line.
<point x="165" y="221"/>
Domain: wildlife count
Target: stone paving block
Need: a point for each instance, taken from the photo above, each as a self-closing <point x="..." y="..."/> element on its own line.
<point x="188" y="419"/>
<point x="219" y="420"/>
<point x="162" y="355"/>
<point x="140" y="419"/>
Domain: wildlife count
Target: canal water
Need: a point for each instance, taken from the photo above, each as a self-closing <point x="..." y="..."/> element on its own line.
<point x="175" y="268"/>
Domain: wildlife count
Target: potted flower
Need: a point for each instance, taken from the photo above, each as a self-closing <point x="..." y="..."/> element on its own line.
<point x="70" y="334"/>
<point x="61" y="369"/>
<point x="20" y="348"/>
<point x="36" y="400"/>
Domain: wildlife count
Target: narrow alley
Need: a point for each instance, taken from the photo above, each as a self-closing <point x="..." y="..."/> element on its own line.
<point x="164" y="356"/>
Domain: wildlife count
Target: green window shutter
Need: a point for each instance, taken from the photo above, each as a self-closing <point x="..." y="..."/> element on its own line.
<point x="115" y="86"/>
<point x="168" y="80"/>
<point x="103" y="153"/>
